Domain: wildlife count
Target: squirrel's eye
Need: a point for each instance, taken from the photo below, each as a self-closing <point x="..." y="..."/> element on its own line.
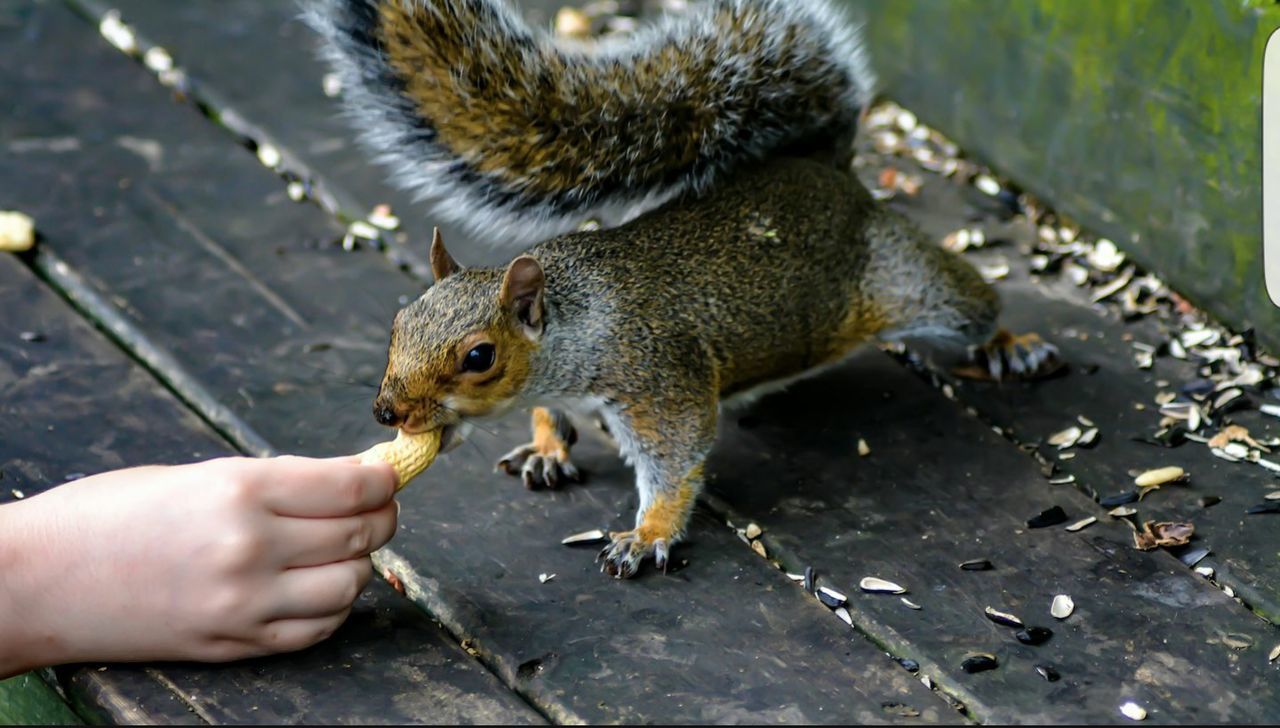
<point x="479" y="359"/>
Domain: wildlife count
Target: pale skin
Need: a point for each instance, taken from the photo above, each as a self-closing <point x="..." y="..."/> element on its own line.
<point x="213" y="561"/>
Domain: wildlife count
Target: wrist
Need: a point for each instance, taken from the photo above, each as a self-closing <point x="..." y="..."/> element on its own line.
<point x="28" y="637"/>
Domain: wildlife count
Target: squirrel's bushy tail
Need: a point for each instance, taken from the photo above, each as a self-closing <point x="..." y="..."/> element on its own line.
<point x="518" y="136"/>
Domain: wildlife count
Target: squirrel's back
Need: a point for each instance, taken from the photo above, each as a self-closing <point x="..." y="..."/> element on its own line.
<point x="519" y="136"/>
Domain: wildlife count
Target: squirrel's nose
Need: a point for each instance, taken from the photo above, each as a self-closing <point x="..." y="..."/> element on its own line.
<point x="385" y="415"/>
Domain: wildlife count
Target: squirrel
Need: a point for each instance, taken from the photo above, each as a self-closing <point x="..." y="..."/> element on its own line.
<point x="737" y="250"/>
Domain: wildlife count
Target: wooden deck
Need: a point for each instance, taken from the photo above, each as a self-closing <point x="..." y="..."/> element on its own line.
<point x="227" y="318"/>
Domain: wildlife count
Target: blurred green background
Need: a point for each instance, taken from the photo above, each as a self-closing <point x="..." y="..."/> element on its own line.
<point x="1141" y="119"/>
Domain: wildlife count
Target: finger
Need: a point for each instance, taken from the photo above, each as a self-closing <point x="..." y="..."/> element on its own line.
<point x="310" y="488"/>
<point x="290" y="635"/>
<point x="319" y="591"/>
<point x="302" y="542"/>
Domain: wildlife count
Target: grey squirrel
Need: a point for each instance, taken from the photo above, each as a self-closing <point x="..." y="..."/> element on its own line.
<point x="738" y="252"/>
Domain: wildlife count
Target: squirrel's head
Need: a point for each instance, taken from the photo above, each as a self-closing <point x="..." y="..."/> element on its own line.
<point x="464" y="347"/>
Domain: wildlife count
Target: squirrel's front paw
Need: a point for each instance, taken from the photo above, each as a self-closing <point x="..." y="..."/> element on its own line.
<point x="1007" y="357"/>
<point x="540" y="468"/>
<point x="622" y="557"/>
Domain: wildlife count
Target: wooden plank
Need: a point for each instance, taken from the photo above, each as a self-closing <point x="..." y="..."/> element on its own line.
<point x="1090" y="336"/>
<point x="939" y="488"/>
<point x="288" y="107"/>
<point x="733" y="642"/>
<point x="56" y="417"/>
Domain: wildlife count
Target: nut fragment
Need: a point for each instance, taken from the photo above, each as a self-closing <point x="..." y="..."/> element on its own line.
<point x="1159" y="476"/>
<point x="1062" y="607"/>
<point x="408" y="454"/>
<point x="17" y="232"/>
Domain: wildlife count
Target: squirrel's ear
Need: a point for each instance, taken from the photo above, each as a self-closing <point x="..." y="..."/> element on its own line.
<point x="522" y="291"/>
<point x="442" y="264"/>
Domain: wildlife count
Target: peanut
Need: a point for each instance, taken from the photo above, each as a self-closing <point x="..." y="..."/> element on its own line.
<point x="17" y="232"/>
<point x="408" y="454"/>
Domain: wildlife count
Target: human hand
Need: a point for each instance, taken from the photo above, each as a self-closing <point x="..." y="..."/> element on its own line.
<point x="212" y="561"/>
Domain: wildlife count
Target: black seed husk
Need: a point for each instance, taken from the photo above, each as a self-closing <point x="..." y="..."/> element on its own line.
<point x="976" y="565"/>
<point x="1048" y="673"/>
<point x="1119" y="499"/>
<point x="979" y="663"/>
<point x="1050" y="517"/>
<point x="1194" y="556"/>
<point x="829" y="600"/>
<point x="909" y="665"/>
<point x="1207" y="501"/>
<point x="808" y="579"/>
<point x="31" y="336"/>
<point x="1033" y="635"/>
<point x="1269" y="507"/>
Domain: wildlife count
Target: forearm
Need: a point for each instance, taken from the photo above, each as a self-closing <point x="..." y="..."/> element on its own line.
<point x="27" y="639"/>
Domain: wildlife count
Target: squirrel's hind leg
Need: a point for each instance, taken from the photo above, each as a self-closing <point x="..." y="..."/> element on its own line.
<point x="922" y="292"/>
<point x="544" y="462"/>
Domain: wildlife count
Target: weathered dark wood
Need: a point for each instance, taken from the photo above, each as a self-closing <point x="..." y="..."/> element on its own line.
<point x="57" y="421"/>
<point x="733" y="642"/>
<point x="388" y="663"/>
<point x="1094" y="335"/>
<point x="288" y="106"/>
<point x="939" y="488"/>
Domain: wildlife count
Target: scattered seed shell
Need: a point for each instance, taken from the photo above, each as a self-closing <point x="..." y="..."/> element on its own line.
<point x="1050" y="517"/>
<point x="1237" y="641"/>
<point x="1003" y="618"/>
<point x="1123" y="512"/>
<point x="976" y="565"/>
<point x="1133" y="711"/>
<point x="1275" y="654"/>
<point x="880" y="586"/>
<point x="863" y="448"/>
<point x="758" y="547"/>
<point x="753" y="531"/>
<point x="1048" y="673"/>
<point x="910" y="604"/>
<point x="1205" y="571"/>
<point x="1082" y="524"/>
<point x="544" y="578"/>
<point x="844" y="615"/>
<point x="808" y="579"/>
<point x="1207" y="501"/>
<point x="1119" y="499"/>
<point x="1194" y="556"/>
<point x="979" y="662"/>
<point x="831" y="597"/>
<point x="593" y="536"/>
<point x="1268" y="507"/>
<point x="1062" y="607"/>
<point x="1033" y="635"/>
<point x="1065" y="438"/>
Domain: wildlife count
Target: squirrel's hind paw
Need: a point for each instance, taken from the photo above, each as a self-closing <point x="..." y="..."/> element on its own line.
<point x="1008" y="357"/>
<point x="627" y="550"/>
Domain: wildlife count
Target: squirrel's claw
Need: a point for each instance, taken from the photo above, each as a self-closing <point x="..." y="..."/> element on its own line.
<point x="539" y="470"/>
<point x="1007" y="357"/>
<point x="625" y="552"/>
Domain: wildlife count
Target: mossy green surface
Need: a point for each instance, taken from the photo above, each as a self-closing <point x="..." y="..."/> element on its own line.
<point x="1139" y="118"/>
<point x="27" y="700"/>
